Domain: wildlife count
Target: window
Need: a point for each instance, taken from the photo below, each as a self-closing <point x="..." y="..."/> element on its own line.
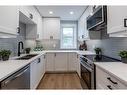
<point x="68" y="37"/>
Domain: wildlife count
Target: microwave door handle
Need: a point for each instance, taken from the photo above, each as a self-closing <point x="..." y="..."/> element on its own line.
<point x="125" y="22"/>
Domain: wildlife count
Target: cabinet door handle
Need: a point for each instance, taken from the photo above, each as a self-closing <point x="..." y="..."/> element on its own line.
<point x="44" y="56"/>
<point x="82" y="36"/>
<point x="55" y="54"/>
<point x="125" y="22"/>
<point x="18" y="29"/>
<point x="51" y="37"/>
<point x="111" y="80"/>
<point x="39" y="60"/>
<point x="109" y="86"/>
<point x="77" y="55"/>
<point x="31" y="16"/>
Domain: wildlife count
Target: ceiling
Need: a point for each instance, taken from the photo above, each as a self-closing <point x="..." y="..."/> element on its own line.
<point x="62" y="11"/>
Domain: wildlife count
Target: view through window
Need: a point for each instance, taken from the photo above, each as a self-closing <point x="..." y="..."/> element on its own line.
<point x="68" y="38"/>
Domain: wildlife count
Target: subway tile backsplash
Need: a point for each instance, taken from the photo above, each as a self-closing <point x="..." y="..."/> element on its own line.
<point x="110" y="46"/>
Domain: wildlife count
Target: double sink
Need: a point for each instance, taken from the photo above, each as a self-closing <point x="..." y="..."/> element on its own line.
<point x="26" y="57"/>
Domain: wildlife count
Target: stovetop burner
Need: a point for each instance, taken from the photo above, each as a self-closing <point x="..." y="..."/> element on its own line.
<point x="100" y="58"/>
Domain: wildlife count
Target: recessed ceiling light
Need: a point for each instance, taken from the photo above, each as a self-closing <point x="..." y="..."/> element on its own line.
<point x="50" y="12"/>
<point x="71" y="12"/>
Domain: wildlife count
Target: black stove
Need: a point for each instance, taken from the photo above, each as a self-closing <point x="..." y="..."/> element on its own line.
<point x="100" y="58"/>
<point x="88" y="69"/>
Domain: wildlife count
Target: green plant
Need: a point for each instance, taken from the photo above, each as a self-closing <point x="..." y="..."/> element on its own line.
<point x="123" y="54"/>
<point x="97" y="50"/>
<point x="5" y="53"/>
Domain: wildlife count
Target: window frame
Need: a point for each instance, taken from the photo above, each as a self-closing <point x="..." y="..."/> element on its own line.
<point x="74" y="26"/>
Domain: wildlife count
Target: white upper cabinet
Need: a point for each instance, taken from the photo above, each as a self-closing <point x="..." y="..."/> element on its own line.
<point x="117" y="21"/>
<point x="30" y="13"/>
<point x="83" y="33"/>
<point x="51" y="28"/>
<point x="9" y="18"/>
<point x="33" y="20"/>
<point x="39" y="27"/>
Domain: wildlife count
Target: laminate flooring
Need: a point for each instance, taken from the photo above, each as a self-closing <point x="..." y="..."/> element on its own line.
<point x="60" y="81"/>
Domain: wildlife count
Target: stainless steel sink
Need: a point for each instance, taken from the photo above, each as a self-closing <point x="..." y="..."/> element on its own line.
<point x="26" y="57"/>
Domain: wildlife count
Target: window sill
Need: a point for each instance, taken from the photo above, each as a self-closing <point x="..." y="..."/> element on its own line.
<point x="68" y="48"/>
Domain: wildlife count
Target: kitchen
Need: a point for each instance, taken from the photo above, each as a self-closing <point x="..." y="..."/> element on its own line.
<point x="63" y="47"/>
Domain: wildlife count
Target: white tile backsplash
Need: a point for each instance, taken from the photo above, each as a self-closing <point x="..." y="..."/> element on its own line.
<point x="110" y="46"/>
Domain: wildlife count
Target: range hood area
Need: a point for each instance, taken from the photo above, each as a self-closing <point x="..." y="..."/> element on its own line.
<point x="98" y="19"/>
<point x="103" y="18"/>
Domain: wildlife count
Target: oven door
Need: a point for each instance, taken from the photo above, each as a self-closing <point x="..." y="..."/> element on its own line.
<point x="87" y="75"/>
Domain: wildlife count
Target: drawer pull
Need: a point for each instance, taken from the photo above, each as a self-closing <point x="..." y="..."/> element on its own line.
<point x="109" y="86"/>
<point x="39" y="60"/>
<point x="111" y="80"/>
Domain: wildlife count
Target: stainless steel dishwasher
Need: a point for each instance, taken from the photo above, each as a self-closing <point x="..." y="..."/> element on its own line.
<point x="18" y="80"/>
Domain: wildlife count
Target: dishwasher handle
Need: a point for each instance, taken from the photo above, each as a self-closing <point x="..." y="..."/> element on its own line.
<point x="13" y="77"/>
<point x="21" y="73"/>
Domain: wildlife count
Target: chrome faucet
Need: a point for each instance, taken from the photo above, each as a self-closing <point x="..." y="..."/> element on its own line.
<point x="20" y="43"/>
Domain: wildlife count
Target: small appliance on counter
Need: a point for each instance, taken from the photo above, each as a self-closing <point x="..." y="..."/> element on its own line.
<point x="83" y="46"/>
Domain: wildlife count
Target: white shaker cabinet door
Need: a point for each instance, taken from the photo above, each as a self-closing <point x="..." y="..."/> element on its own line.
<point x="61" y="62"/>
<point x="115" y="19"/>
<point x="50" y="62"/>
<point x="72" y="62"/>
<point x="9" y="19"/>
<point x="51" y="28"/>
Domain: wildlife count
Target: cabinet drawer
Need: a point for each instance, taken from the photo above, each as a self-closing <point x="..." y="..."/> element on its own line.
<point x="116" y="83"/>
<point x="107" y="81"/>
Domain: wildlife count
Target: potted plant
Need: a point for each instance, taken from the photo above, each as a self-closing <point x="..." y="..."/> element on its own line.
<point x="27" y="50"/>
<point x="98" y="51"/>
<point x="5" y="54"/>
<point x="123" y="55"/>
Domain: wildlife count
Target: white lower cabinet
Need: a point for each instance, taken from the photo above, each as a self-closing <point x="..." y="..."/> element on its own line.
<point x="106" y="81"/>
<point x="78" y="69"/>
<point x="37" y="70"/>
<point x="72" y="61"/>
<point x="50" y="61"/>
<point x="61" y="62"/>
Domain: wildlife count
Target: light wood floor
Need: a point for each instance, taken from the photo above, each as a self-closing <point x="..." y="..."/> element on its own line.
<point x="60" y="81"/>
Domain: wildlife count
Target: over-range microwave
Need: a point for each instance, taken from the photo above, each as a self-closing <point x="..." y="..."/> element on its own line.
<point x="98" y="18"/>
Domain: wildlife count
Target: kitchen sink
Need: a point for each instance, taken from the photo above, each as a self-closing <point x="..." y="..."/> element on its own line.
<point x="26" y="57"/>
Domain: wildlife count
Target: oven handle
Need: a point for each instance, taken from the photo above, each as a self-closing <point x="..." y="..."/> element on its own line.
<point x="89" y="69"/>
<point x="85" y="62"/>
<point x="90" y="61"/>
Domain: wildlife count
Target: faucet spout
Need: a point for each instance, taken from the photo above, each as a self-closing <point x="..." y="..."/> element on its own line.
<point x="19" y="51"/>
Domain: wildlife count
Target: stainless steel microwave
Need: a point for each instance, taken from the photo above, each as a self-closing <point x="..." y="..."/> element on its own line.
<point x="98" y="19"/>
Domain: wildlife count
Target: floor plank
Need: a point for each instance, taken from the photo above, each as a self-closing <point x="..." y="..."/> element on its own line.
<point x="60" y="81"/>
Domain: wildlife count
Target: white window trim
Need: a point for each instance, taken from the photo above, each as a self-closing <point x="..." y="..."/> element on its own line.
<point x="74" y="34"/>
